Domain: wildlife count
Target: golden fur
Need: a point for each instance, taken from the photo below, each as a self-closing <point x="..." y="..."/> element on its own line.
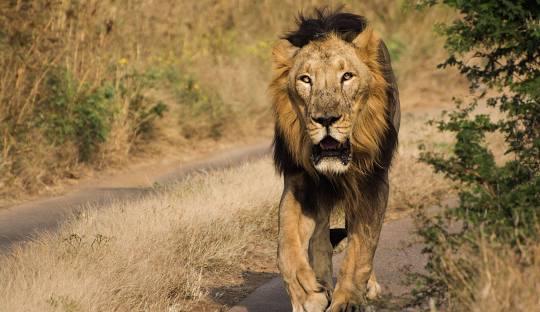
<point x="368" y="117"/>
<point x="370" y="123"/>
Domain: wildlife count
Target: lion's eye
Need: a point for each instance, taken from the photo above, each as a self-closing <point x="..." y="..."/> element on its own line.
<point x="305" y="79"/>
<point x="346" y="76"/>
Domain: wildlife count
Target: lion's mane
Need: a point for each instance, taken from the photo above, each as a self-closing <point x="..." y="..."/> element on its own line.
<point x="375" y="129"/>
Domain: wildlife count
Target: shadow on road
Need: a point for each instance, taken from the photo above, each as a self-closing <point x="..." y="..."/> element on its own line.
<point x="231" y="294"/>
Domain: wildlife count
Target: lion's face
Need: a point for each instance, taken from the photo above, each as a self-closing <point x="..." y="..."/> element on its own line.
<point x="328" y="83"/>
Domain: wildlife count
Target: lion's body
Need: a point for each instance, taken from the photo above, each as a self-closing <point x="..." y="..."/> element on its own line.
<point x="351" y="172"/>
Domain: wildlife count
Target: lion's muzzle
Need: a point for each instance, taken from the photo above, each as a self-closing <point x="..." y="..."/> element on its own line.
<point x="331" y="156"/>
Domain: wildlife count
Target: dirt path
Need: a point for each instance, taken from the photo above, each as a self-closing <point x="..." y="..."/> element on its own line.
<point x="398" y="248"/>
<point x="20" y="222"/>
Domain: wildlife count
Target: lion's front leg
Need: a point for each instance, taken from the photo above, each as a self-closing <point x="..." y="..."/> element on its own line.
<point x="297" y="224"/>
<point x="356" y="280"/>
<point x="356" y="269"/>
<point x="320" y="249"/>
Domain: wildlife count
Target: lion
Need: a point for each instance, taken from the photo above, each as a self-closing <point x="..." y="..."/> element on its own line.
<point x="337" y="115"/>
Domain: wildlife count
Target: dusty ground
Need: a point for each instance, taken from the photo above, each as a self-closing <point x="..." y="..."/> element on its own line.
<point x="19" y="222"/>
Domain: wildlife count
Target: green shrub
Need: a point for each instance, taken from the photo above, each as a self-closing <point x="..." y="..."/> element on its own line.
<point x="202" y="113"/>
<point x="73" y="120"/>
<point x="395" y="48"/>
<point x="93" y="116"/>
<point x="143" y="110"/>
<point x="76" y="113"/>
<point x="82" y="116"/>
<point x="497" y="200"/>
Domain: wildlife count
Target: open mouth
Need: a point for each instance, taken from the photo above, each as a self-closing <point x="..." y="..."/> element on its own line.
<point x="331" y="148"/>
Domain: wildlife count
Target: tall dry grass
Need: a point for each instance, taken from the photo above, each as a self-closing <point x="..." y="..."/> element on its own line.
<point x="80" y="81"/>
<point x="71" y="91"/>
<point x="493" y="278"/>
<point x="158" y="253"/>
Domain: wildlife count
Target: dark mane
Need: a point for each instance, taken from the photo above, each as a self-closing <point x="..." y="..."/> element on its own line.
<point x="323" y="22"/>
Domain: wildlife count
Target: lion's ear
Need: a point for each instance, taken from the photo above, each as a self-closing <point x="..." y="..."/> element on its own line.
<point x="367" y="43"/>
<point x="282" y="55"/>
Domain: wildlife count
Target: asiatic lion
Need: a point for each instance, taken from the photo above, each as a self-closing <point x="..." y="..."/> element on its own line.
<point x="337" y="117"/>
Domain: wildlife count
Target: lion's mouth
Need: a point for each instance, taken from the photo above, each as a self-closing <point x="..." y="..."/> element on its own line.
<point x="331" y="148"/>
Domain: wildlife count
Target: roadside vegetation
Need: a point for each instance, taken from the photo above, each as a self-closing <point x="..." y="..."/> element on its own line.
<point x="484" y="253"/>
<point x="169" y="251"/>
<point x="86" y="85"/>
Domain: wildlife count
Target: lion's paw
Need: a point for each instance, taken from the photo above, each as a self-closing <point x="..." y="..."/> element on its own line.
<point x="316" y="302"/>
<point x="373" y="289"/>
<point x="350" y="307"/>
<point x="352" y="300"/>
<point x="307" y="295"/>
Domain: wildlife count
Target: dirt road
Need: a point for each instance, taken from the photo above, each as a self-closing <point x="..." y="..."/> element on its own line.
<point x="398" y="248"/>
<point x="20" y="222"/>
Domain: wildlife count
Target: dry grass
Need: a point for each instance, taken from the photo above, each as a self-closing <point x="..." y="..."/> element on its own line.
<point x="494" y="279"/>
<point x="71" y="89"/>
<point x="154" y="254"/>
<point x="207" y="60"/>
<point x="505" y="284"/>
<point x="168" y="250"/>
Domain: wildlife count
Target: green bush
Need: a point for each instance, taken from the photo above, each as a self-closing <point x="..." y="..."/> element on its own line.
<point x="75" y="113"/>
<point x="84" y="116"/>
<point x="202" y="113"/>
<point x="93" y="116"/>
<point x="496" y="200"/>
<point x="142" y="110"/>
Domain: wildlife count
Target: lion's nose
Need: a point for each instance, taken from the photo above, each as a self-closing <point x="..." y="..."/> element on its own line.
<point x="326" y="121"/>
